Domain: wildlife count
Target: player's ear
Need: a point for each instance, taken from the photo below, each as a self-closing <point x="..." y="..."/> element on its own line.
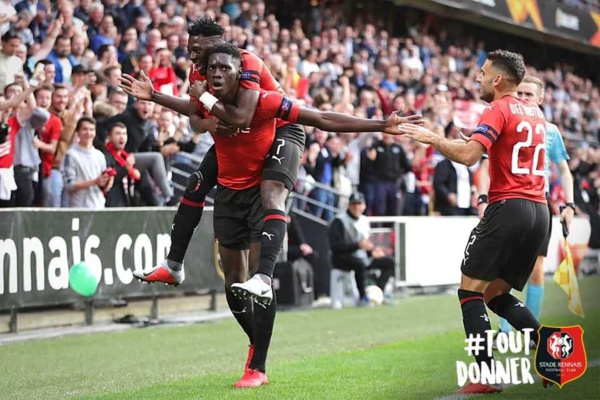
<point x="239" y="72"/>
<point x="497" y="79"/>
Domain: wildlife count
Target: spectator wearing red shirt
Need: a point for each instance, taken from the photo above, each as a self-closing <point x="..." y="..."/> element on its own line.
<point x="47" y="143"/>
<point x="163" y="75"/>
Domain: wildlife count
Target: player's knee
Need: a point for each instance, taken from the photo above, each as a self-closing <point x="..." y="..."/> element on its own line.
<point x="235" y="276"/>
<point x="273" y="195"/>
<point x="196" y="189"/>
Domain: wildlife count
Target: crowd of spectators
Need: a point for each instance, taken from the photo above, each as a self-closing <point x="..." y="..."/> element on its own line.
<point x="583" y="4"/>
<point x="80" y="49"/>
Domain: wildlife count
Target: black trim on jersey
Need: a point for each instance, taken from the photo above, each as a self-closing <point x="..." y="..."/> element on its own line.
<point x="283" y="112"/>
<point x="493" y="131"/>
<point x="255" y="80"/>
<point x="250" y="75"/>
<point x="487" y="135"/>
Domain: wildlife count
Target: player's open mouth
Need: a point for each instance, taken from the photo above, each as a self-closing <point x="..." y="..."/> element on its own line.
<point x="217" y="85"/>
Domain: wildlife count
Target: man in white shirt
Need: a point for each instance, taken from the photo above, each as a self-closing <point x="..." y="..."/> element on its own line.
<point x="10" y="64"/>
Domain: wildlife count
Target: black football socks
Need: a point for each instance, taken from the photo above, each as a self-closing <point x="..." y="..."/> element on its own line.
<point x="271" y="241"/>
<point x="475" y="321"/>
<point x="264" y="317"/>
<point x="242" y="310"/>
<point x="514" y="311"/>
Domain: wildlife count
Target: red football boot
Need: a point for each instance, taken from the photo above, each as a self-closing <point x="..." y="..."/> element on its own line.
<point x="478" y="388"/>
<point x="252" y="378"/>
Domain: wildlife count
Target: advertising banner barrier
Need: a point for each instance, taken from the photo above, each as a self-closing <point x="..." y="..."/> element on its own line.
<point x="38" y="247"/>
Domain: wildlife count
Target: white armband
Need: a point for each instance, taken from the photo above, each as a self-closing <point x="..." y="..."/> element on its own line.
<point x="208" y="100"/>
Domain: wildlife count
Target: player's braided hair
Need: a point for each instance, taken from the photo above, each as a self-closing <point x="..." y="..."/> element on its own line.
<point x="206" y="27"/>
<point x="226" y="48"/>
<point x="512" y="64"/>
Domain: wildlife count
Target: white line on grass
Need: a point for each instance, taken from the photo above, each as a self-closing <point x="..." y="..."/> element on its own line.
<point x="591" y="364"/>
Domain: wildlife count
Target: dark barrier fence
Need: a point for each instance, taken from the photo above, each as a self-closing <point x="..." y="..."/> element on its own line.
<point x="38" y="247"/>
<point x="315" y="232"/>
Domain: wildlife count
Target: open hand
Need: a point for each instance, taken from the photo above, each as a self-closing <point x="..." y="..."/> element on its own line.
<point x="140" y="89"/>
<point x="394" y="122"/>
<point x="417" y="133"/>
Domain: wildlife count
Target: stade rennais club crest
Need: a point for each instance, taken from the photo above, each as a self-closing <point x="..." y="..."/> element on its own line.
<point x="560" y="356"/>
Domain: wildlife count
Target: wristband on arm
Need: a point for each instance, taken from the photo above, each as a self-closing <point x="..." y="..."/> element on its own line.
<point x="208" y="100"/>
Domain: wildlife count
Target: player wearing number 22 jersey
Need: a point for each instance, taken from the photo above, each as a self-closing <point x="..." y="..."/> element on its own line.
<point x="514" y="135"/>
<point x="501" y="250"/>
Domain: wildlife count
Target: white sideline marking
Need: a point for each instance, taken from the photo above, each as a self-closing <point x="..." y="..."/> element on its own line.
<point x="536" y="377"/>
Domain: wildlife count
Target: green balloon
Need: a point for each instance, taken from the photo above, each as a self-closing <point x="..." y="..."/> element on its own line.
<point x="82" y="280"/>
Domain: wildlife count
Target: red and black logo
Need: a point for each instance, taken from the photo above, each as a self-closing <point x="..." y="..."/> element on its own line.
<point x="560" y="355"/>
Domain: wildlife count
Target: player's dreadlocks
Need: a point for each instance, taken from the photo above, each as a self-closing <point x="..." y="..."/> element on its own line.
<point x="206" y="27"/>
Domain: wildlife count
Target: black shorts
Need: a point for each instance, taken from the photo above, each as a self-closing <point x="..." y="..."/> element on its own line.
<point x="283" y="161"/>
<point x="238" y="217"/>
<point x="544" y="248"/>
<point x="506" y="242"/>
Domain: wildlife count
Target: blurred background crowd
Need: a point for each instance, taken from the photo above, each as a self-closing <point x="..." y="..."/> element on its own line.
<point x="365" y="59"/>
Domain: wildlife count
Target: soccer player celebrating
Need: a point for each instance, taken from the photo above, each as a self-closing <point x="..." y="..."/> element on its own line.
<point x="238" y="215"/>
<point x="502" y="249"/>
<point x="280" y="166"/>
<point x="531" y="91"/>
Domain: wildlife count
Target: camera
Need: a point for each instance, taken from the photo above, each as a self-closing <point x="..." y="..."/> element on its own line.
<point x="4" y="130"/>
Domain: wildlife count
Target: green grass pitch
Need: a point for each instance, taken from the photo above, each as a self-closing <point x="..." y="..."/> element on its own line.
<point x="405" y="351"/>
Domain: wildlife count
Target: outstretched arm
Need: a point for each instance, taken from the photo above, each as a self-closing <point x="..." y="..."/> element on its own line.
<point x="465" y="153"/>
<point x="144" y="90"/>
<point x="337" y="122"/>
<point x="239" y="114"/>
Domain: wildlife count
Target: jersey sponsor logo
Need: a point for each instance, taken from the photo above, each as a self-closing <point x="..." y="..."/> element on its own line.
<point x="246" y="75"/>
